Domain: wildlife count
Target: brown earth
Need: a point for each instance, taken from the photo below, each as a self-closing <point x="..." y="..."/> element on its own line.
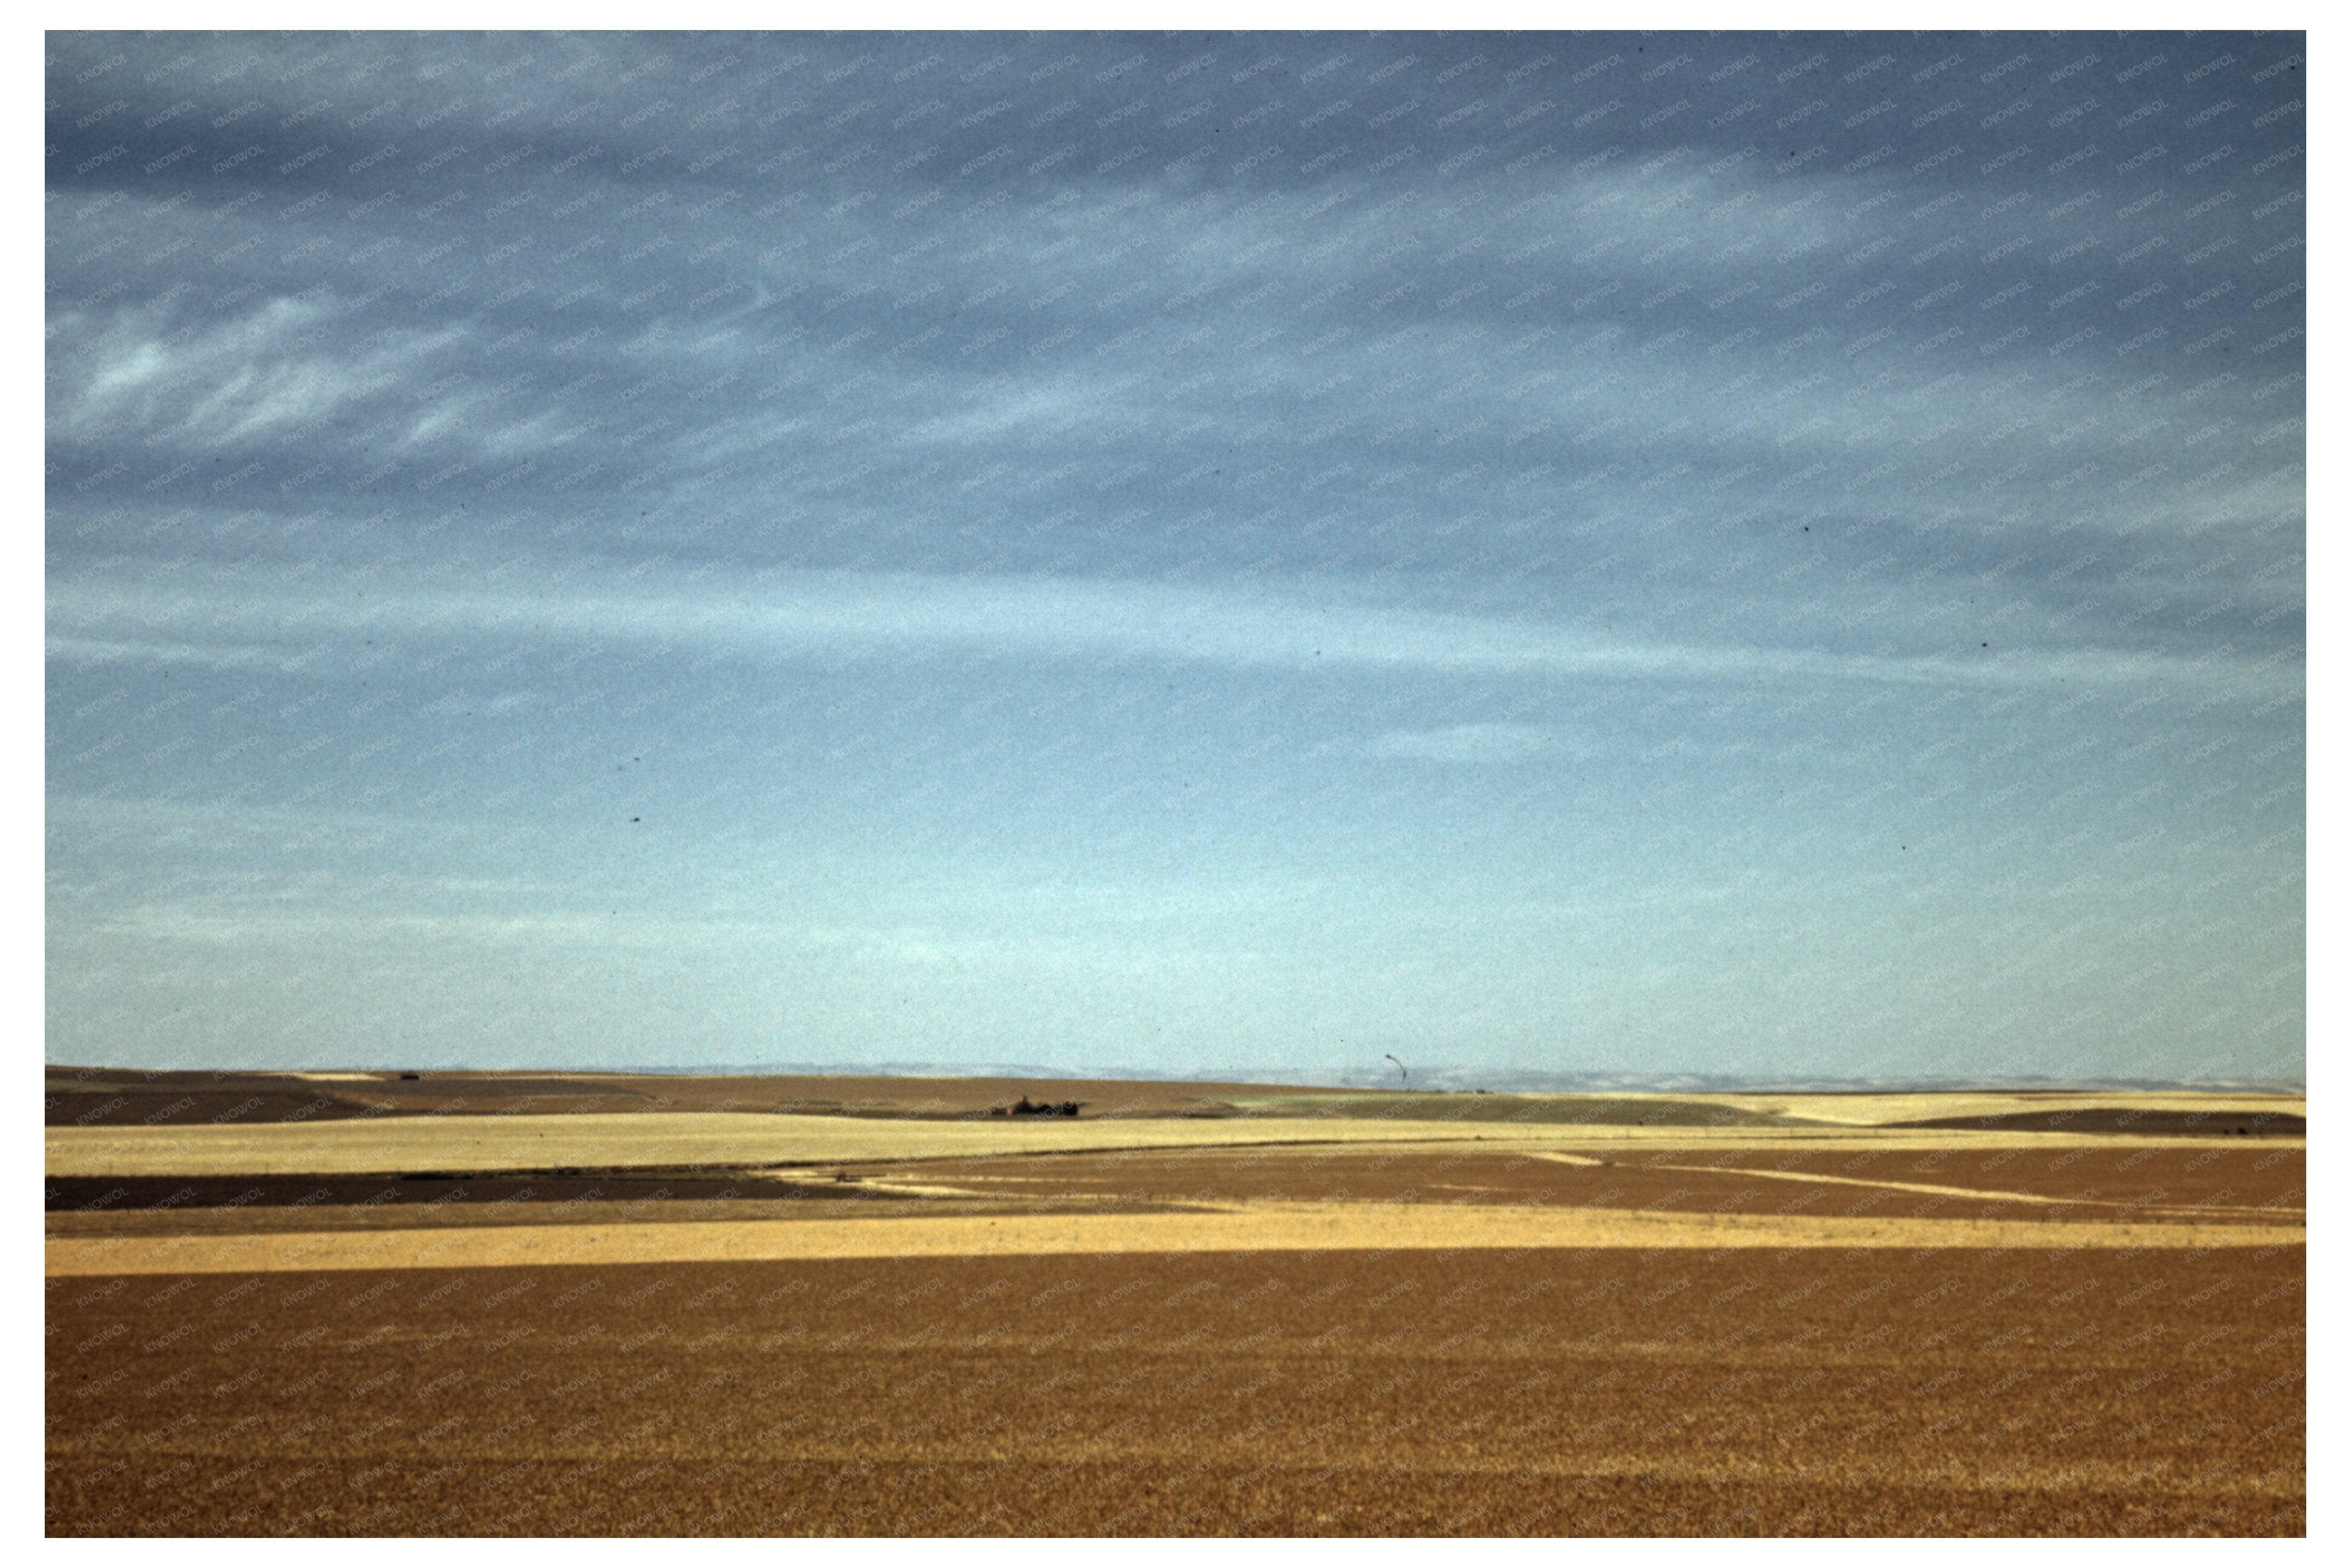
<point x="2217" y="1183"/>
<point x="2235" y="1121"/>
<point x="113" y="1097"/>
<point x="1783" y="1316"/>
<point x="2246" y="1184"/>
<point x="110" y="1097"/>
<point x="1738" y="1391"/>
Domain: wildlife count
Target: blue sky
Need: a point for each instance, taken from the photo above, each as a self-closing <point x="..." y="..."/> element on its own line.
<point x="1748" y="554"/>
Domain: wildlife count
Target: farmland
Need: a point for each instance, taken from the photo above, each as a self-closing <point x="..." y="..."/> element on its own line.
<point x="1244" y="1310"/>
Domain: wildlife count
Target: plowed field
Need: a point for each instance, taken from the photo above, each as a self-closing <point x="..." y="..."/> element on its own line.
<point x="96" y="1097"/>
<point x="1596" y="1318"/>
<point x="1613" y="1392"/>
<point x="2236" y="1183"/>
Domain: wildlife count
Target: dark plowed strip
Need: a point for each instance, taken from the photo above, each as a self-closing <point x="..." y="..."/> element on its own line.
<point x="150" y="1108"/>
<point x="2151" y="1124"/>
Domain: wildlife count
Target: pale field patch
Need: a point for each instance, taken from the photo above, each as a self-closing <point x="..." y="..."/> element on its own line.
<point x="1879" y="1110"/>
<point x="1927" y="1189"/>
<point x="664" y="1140"/>
<point x="1232" y="1227"/>
<point x="1858" y="1110"/>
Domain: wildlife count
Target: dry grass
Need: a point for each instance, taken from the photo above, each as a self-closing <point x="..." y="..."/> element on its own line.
<point x="662" y="1140"/>
<point x="1895" y="1110"/>
<point x="675" y="1139"/>
<point x="1253" y="1228"/>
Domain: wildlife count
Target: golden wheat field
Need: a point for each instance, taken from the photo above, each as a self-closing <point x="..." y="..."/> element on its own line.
<point x="476" y="1304"/>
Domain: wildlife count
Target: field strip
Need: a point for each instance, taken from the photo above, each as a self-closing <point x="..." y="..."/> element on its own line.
<point x="675" y="1139"/>
<point x="1251" y="1227"/>
<point x="1882" y="1110"/>
<point x="816" y="1181"/>
<point x="597" y="1140"/>
<point x="1987" y="1195"/>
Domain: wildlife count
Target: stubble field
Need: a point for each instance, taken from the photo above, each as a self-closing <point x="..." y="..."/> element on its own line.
<point x="1758" y="1321"/>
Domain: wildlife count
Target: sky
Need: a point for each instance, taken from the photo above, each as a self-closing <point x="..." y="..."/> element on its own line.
<point x="1762" y="555"/>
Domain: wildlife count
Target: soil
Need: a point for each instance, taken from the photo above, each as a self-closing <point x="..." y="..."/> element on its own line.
<point x="1630" y="1316"/>
<point x="1348" y="1392"/>
<point x="101" y="1097"/>
<point x="2232" y="1183"/>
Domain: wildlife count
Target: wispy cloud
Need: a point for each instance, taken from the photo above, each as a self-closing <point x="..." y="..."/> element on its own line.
<point x="649" y="465"/>
<point x="274" y="372"/>
<point x="854" y="615"/>
<point x="1470" y="743"/>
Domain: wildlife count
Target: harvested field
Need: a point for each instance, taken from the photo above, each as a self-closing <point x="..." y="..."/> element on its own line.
<point x="2097" y="1183"/>
<point x="564" y="1144"/>
<point x="1584" y="1320"/>
<point x="2082" y="1182"/>
<point x="2163" y="1115"/>
<point x="2051" y="1111"/>
<point x="97" y="1097"/>
<point x="1243" y="1228"/>
<point x="665" y="1140"/>
<point x="1476" y="1391"/>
